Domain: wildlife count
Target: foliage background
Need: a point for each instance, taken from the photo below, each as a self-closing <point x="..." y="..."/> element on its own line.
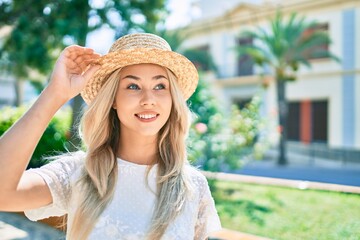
<point x="54" y="139"/>
<point x="221" y="139"/>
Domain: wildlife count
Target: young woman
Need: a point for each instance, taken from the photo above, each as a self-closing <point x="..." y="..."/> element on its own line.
<point x="133" y="181"/>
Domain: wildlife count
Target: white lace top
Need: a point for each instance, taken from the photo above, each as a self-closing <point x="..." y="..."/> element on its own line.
<point x="129" y="214"/>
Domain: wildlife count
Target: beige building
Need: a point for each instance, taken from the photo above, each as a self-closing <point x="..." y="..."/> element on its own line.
<point x="324" y="102"/>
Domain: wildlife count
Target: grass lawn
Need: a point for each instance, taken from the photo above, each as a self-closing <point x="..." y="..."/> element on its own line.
<point x="285" y="213"/>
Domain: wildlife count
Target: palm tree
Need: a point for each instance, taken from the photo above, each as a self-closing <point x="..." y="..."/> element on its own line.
<point x="287" y="45"/>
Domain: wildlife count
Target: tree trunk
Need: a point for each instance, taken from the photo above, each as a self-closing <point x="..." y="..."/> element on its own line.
<point x="19" y="92"/>
<point x="283" y="111"/>
<point x="76" y="105"/>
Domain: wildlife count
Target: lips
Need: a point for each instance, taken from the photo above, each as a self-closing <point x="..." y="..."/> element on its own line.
<point x="146" y="117"/>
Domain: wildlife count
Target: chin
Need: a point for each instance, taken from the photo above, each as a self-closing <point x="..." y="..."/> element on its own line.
<point x="150" y="133"/>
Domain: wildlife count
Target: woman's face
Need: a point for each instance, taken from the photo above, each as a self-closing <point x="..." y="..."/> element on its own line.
<point x="143" y="99"/>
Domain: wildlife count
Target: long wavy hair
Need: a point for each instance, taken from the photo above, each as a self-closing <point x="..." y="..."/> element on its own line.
<point x="100" y="131"/>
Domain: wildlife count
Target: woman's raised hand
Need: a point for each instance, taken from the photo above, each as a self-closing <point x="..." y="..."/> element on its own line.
<point x="72" y="70"/>
<point x="19" y="190"/>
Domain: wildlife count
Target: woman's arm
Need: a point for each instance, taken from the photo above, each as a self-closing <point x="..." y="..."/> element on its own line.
<point x="19" y="190"/>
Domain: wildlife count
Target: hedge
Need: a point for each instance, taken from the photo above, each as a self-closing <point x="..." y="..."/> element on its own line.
<point x="54" y="139"/>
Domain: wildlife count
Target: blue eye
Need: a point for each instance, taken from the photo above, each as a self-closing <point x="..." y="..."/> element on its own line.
<point x="133" y="87"/>
<point x="160" y="86"/>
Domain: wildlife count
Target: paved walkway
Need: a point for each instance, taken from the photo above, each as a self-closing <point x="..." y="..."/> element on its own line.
<point x="14" y="226"/>
<point x="227" y="234"/>
<point x="300" y="168"/>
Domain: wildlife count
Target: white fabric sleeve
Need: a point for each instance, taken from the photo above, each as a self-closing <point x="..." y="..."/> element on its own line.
<point x="208" y="219"/>
<point x="58" y="176"/>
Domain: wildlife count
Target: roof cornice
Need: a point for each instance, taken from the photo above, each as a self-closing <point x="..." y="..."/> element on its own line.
<point x="253" y="14"/>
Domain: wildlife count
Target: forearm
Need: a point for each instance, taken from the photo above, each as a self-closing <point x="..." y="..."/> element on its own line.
<point x="18" y="143"/>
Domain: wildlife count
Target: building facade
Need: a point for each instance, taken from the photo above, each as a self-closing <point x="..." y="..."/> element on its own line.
<point x="324" y="101"/>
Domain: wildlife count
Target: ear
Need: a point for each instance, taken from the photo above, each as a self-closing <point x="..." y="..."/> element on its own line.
<point x="114" y="105"/>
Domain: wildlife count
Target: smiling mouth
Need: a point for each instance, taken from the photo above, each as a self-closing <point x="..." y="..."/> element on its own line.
<point x="146" y="116"/>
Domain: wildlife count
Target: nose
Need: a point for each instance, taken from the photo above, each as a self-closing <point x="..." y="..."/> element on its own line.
<point x="148" y="98"/>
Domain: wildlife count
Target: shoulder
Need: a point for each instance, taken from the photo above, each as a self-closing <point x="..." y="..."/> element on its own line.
<point x="68" y="161"/>
<point x="197" y="178"/>
<point x="63" y="165"/>
<point x="195" y="173"/>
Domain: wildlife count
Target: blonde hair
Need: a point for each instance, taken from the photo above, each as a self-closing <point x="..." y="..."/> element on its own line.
<point x="100" y="129"/>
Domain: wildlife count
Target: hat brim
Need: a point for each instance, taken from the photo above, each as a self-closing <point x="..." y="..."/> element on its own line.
<point x="184" y="70"/>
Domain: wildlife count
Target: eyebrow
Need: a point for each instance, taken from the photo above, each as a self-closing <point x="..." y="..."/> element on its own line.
<point x="157" y="77"/>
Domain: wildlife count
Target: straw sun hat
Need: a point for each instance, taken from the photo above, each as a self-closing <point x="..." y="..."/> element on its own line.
<point x="142" y="48"/>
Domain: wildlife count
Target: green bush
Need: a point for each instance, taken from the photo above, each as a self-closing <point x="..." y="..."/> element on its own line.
<point x="220" y="139"/>
<point x="52" y="142"/>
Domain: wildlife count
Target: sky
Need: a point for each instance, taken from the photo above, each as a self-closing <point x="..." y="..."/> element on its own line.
<point x="179" y="17"/>
<point x="182" y="12"/>
<point x="179" y="13"/>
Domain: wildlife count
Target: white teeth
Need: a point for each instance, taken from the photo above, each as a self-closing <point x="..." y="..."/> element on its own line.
<point x="147" y="116"/>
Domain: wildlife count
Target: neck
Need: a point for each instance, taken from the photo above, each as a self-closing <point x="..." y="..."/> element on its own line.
<point x="138" y="149"/>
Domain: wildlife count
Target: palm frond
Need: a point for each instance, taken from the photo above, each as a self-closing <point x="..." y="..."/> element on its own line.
<point x="314" y="40"/>
<point x="321" y="53"/>
<point x="249" y="34"/>
<point x="287" y="43"/>
<point x="257" y="54"/>
<point x="302" y="60"/>
<point x="294" y="29"/>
